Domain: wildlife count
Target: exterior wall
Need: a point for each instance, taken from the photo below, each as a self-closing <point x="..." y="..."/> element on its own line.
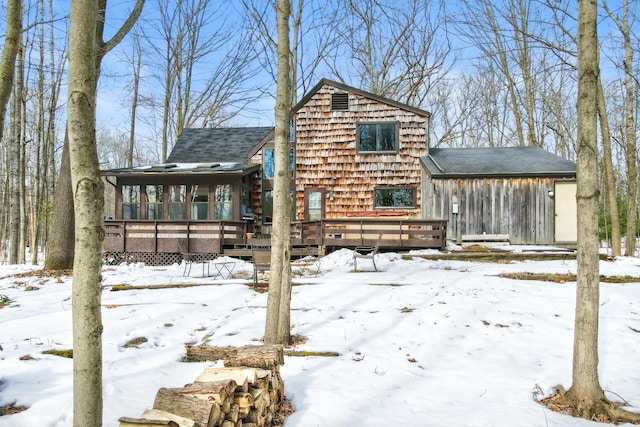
<point x="519" y="207"/>
<point x="327" y="158"/>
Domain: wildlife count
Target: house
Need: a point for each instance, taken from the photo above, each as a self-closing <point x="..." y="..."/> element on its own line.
<point x="361" y="166"/>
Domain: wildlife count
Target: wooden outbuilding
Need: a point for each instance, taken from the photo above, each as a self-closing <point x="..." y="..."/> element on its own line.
<point x="525" y="195"/>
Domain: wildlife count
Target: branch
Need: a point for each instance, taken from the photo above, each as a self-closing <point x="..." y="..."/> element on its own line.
<point x="105" y="47"/>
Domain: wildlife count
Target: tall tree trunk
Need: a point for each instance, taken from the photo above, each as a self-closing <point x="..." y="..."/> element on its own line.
<point x="15" y="153"/>
<point x="137" y="65"/>
<point x="7" y="72"/>
<point x="9" y="53"/>
<point x="88" y="196"/>
<point x="630" y="128"/>
<point x="585" y="389"/>
<point x="63" y="210"/>
<point x="278" y="323"/>
<point x="20" y="125"/>
<point x="610" y="182"/>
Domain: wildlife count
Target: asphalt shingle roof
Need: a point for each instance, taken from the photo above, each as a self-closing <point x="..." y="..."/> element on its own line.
<point x="222" y="145"/>
<point x="503" y="161"/>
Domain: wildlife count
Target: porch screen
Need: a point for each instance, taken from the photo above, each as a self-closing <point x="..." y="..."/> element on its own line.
<point x="223" y="202"/>
<point x="177" y="202"/>
<point x="130" y="202"/>
<point x="199" y="202"/>
<point x="153" y="199"/>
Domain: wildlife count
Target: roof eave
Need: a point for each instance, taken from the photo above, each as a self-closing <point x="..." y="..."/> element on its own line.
<point x="563" y="174"/>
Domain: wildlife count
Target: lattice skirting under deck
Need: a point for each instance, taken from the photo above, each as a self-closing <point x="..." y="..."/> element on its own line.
<point x="148" y="258"/>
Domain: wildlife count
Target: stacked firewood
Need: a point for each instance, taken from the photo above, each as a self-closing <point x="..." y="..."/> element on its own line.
<point x="247" y="392"/>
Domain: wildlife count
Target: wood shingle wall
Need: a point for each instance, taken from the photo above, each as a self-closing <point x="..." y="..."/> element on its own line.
<point x="327" y="157"/>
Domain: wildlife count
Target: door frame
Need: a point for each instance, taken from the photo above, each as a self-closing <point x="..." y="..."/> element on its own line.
<point x="323" y="200"/>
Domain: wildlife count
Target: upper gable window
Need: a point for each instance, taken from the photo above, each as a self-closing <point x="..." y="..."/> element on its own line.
<point x="340" y="101"/>
<point x="376" y="137"/>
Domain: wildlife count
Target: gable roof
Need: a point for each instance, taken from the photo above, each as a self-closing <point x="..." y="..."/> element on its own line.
<point x="222" y="145"/>
<point x="360" y="92"/>
<point x="504" y="161"/>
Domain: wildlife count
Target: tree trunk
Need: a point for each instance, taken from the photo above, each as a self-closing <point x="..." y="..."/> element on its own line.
<point x="610" y="182"/>
<point x="14" y="192"/>
<point x="585" y="390"/>
<point x="88" y="196"/>
<point x="60" y="246"/>
<point x="9" y="53"/>
<point x="630" y="128"/>
<point x="277" y="329"/>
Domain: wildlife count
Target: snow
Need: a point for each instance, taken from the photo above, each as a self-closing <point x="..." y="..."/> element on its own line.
<point x="421" y="342"/>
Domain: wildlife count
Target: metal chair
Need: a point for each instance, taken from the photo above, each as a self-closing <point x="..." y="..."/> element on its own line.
<point x="261" y="258"/>
<point x="367" y="252"/>
<point x="194" y="257"/>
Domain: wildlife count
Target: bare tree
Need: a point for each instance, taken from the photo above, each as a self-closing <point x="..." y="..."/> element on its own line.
<point x="204" y="63"/>
<point x="398" y="49"/>
<point x="586" y="394"/>
<point x="278" y="323"/>
<point x="9" y="53"/>
<point x="88" y="193"/>
<point x="12" y="43"/>
<point x="60" y="253"/>
<point x="86" y="50"/>
<point x="500" y="31"/>
<point x="315" y="36"/>
<point x="624" y="25"/>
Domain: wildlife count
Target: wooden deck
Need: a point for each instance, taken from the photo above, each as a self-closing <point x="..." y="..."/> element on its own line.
<point x="156" y="242"/>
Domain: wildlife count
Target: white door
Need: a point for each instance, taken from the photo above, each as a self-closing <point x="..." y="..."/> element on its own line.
<point x="566" y="224"/>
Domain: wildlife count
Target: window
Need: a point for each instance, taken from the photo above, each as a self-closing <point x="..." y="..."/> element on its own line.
<point x="223" y="202"/>
<point x="199" y="202"/>
<point x="153" y="199"/>
<point x="395" y="197"/>
<point x="373" y="137"/>
<point x="177" y="202"/>
<point x="130" y="202"/>
<point x="267" y="206"/>
<point x="269" y="162"/>
<point x="339" y="102"/>
<point x="314" y="205"/>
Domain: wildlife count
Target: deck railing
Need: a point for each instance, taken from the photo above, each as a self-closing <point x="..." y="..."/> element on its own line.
<point x="212" y="236"/>
<point x="163" y="236"/>
<point x="396" y="233"/>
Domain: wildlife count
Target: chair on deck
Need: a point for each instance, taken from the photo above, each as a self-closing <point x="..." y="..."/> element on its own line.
<point x="367" y="252"/>
<point x="194" y="257"/>
<point x="261" y="258"/>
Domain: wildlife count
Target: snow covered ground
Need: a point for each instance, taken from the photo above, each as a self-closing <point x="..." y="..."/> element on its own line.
<point x="421" y="343"/>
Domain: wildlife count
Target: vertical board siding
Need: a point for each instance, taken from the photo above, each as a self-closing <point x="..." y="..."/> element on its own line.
<point x="326" y="153"/>
<point x="519" y="207"/>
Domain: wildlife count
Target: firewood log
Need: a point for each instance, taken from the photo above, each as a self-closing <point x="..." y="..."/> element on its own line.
<point x="233" y="414"/>
<point x="243" y="400"/>
<point x="266" y="357"/>
<point x="218" y="391"/>
<point x="204" y="412"/>
<point x="141" y="422"/>
<point x="156" y="414"/>
<point x="242" y="376"/>
<point x="205" y="353"/>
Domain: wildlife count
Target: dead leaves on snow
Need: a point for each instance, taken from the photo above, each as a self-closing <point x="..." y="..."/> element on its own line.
<point x="564" y="278"/>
